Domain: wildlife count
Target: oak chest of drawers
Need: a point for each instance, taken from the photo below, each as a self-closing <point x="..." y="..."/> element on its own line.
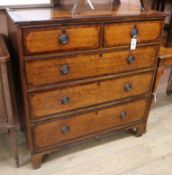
<point x="79" y="77"/>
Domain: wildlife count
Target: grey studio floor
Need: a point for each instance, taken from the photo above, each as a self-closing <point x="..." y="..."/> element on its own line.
<point x="118" y="153"/>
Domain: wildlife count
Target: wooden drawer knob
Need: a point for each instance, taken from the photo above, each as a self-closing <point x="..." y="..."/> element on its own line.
<point x="65" y="100"/>
<point x="134" y="32"/>
<point x="131" y="59"/>
<point x="128" y="87"/>
<point x="65" y="130"/>
<point x="64" y="38"/>
<point x="123" y="115"/>
<point x="64" y="69"/>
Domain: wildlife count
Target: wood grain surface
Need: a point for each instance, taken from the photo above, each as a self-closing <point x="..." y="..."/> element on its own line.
<point x="120" y="33"/>
<point x="46" y="40"/>
<point x="49" y="102"/>
<point x="48" y="71"/>
<point x="92" y="44"/>
<point x="51" y="133"/>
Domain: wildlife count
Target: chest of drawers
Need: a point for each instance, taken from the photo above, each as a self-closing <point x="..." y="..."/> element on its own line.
<point x="79" y="77"/>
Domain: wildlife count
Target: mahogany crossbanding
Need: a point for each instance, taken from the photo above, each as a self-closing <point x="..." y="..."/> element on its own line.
<point x="79" y="78"/>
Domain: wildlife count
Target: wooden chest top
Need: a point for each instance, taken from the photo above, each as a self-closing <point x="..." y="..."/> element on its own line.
<point x="63" y="14"/>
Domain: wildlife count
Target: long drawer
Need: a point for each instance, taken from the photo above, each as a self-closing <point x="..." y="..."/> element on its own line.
<point x="80" y="96"/>
<point x="60" y="131"/>
<point x="55" y="70"/>
<point x="57" y="39"/>
<point x="121" y="33"/>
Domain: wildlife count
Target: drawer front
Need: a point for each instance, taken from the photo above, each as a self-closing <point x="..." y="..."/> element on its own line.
<point x="43" y="72"/>
<point x="57" y="39"/>
<point x="121" y="33"/>
<point x="61" y="131"/>
<point x="72" y="98"/>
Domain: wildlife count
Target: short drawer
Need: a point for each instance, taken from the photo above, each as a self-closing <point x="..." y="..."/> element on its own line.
<point x="121" y="33"/>
<point x="80" y="96"/>
<point x="56" y="70"/>
<point x="63" y="130"/>
<point x="58" y="39"/>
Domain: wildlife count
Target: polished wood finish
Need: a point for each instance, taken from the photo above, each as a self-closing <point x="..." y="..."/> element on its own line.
<point x="49" y="71"/>
<point x="165" y="54"/>
<point x="3" y="23"/>
<point x="88" y="81"/>
<point x="124" y="12"/>
<point x="78" y="37"/>
<point x="120" y="33"/>
<point x="37" y="160"/>
<point x="86" y="124"/>
<point x="165" y="59"/>
<point x="48" y="103"/>
<point x="7" y="113"/>
<point x="140" y="129"/>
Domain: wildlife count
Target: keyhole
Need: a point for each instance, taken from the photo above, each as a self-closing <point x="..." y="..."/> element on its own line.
<point x="100" y="56"/>
<point x="98" y="83"/>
